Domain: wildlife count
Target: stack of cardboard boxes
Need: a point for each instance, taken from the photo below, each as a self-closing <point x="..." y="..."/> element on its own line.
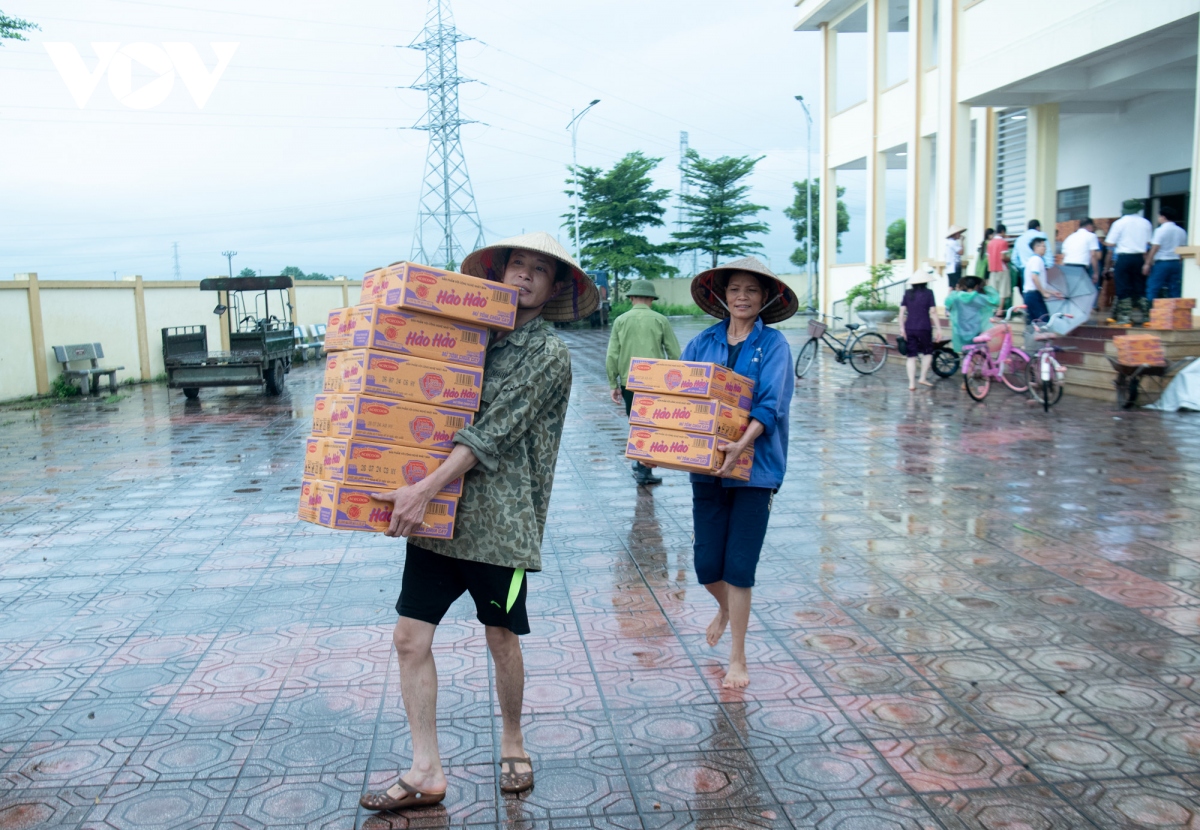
<point x="682" y="410"/>
<point x="1172" y="314"/>
<point x="404" y="373"/>
<point x="1139" y="349"/>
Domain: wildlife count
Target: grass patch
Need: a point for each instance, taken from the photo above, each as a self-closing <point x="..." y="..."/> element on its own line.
<point x="669" y="309"/>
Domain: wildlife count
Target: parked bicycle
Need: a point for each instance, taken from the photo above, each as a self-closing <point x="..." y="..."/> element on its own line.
<point x="945" y="359"/>
<point x="1045" y="373"/>
<point x="866" y="351"/>
<point x="1009" y="365"/>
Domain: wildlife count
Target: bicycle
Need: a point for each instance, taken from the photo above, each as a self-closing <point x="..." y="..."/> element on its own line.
<point x="1045" y="373"/>
<point x="1009" y="365"/>
<point x="866" y="351"/>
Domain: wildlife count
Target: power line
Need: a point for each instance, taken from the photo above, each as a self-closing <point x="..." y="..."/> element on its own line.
<point x="446" y="210"/>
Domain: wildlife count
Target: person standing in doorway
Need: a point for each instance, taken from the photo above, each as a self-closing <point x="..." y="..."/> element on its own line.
<point x="921" y="326"/>
<point x="1129" y="237"/>
<point x="997" y="256"/>
<point x="1163" y="267"/>
<point x="507" y="457"/>
<point x="954" y="252"/>
<point x="730" y="516"/>
<point x="639" y="332"/>
<point x="1023" y="246"/>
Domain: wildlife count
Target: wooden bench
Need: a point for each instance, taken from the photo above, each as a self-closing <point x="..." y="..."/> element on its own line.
<point x="89" y="378"/>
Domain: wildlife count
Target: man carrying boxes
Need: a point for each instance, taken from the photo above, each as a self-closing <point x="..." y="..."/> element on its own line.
<point x="742" y="363"/>
<point x="639" y="332"/>
<point x="506" y="458"/>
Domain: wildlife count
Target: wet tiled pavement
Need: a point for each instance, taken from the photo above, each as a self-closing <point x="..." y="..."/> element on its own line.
<point x="968" y="616"/>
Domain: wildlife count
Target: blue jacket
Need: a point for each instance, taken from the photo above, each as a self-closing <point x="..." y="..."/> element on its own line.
<point x="766" y="359"/>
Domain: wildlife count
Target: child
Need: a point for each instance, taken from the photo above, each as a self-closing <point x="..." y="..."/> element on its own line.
<point x="1035" y="288"/>
<point x="970" y="309"/>
<point x="918" y="321"/>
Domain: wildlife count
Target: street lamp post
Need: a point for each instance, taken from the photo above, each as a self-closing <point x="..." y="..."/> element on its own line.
<point x="229" y="255"/>
<point x="573" y="126"/>
<point x="812" y="289"/>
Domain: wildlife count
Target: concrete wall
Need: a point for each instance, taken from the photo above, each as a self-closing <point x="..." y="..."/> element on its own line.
<point x="1115" y="153"/>
<point x="106" y="312"/>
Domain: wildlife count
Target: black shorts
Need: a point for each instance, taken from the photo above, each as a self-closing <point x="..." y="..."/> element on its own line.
<point x="433" y="582"/>
<point x="919" y="342"/>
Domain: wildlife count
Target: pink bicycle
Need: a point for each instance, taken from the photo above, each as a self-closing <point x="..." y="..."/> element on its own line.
<point x="1009" y="365"/>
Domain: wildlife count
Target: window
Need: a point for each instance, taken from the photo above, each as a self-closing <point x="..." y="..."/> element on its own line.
<point x="1171" y="190"/>
<point x="895" y="61"/>
<point x="1073" y="204"/>
<point x="1010" y="169"/>
<point x="850" y="60"/>
<point x="895" y="202"/>
<point x="851" y="182"/>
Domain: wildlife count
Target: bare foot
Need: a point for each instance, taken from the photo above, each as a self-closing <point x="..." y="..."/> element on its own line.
<point x="924" y="383"/>
<point x="912" y="389"/>
<point x="737" y="677"/>
<point x="716" y="628"/>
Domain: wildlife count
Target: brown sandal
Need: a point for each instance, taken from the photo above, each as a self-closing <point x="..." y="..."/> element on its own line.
<point x="381" y="802"/>
<point x="513" y="782"/>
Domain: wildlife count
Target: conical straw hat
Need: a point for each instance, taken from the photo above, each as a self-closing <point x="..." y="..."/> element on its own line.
<point x="574" y="303"/>
<point x="708" y="290"/>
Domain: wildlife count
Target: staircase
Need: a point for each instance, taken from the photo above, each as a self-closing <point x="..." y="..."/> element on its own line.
<point x="1089" y="374"/>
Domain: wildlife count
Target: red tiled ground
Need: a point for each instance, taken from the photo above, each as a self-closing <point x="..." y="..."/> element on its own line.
<point x="969" y="616"/>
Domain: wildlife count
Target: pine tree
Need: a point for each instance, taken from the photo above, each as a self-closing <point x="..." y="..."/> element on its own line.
<point x="717" y="215"/>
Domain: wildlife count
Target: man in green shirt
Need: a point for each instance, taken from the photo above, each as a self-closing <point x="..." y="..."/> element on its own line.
<point x="507" y="457"/>
<point x="639" y="332"/>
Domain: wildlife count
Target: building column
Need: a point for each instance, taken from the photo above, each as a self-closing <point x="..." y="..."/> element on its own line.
<point x="875" y="170"/>
<point x="41" y="373"/>
<point x="954" y="135"/>
<point x="1191" y="266"/>
<point x="828" y="223"/>
<point x="914" y="168"/>
<point x="143" y="338"/>
<point x="1041" y="166"/>
<point x="988" y="159"/>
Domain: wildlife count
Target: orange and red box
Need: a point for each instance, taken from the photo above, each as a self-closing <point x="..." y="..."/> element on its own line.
<point x="370" y="282"/>
<point x="405" y="285"/>
<point x="325" y="458"/>
<point x="417" y="334"/>
<point x="434" y="382"/>
<point x="374" y="464"/>
<point x="350" y="507"/>
<point x="686" y="451"/>
<point x="702" y="415"/>
<point x="334" y="364"/>
<point x="690" y="379"/>
<point x="392" y="421"/>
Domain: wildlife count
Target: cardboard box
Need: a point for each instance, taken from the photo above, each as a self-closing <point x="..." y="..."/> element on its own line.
<point x="335" y="331"/>
<point x="308" y="510"/>
<point x="419" y="335"/>
<point x="697" y="380"/>
<point x="322" y="410"/>
<point x="388" y="466"/>
<point x="325" y="458"/>
<point x="394" y="421"/>
<point x="405" y="285"/>
<point x="436" y="382"/>
<point x="370" y="283"/>
<point x="347" y="507"/>
<point x="687" y="451"/>
<point x="316" y="496"/>
<point x="334" y="365"/>
<point x="701" y="415"/>
<point x="1174" y="303"/>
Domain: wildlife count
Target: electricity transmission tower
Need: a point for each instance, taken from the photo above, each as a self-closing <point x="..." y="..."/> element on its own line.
<point x="175" y="245"/>
<point x="446" y="214"/>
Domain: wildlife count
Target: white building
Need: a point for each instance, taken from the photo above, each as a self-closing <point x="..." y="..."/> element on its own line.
<point x="977" y="111"/>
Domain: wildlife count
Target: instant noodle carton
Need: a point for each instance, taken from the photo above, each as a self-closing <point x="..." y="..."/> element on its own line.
<point x="388" y="466"/>
<point x="701" y="415"/>
<point x="333" y="372"/>
<point x="419" y="335"/>
<point x="370" y="282"/>
<point x="1138" y="349"/>
<point x="687" y="451"/>
<point x="349" y="507"/>
<point x="436" y="382"/>
<point x="322" y="410"/>
<point x="396" y="422"/>
<point x="316" y="496"/>
<point x="308" y="509"/>
<point x="405" y="285"/>
<point x="335" y="330"/>
<point x="681" y="377"/>
<point x="325" y="458"/>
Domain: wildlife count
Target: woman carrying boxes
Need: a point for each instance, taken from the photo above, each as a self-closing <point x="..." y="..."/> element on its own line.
<point x="730" y="514"/>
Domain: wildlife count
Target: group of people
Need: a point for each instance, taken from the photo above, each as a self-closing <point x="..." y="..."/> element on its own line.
<point x="507" y="457"/>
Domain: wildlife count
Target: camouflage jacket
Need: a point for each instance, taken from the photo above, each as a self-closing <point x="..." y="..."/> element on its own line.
<point x="502" y="512"/>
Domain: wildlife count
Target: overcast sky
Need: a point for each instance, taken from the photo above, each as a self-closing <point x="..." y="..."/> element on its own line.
<point x="302" y="156"/>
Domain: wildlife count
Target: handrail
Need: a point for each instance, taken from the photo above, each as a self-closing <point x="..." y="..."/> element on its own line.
<point x="846" y="314"/>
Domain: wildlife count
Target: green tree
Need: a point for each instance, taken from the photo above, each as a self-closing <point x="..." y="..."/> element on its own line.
<point x="11" y="28"/>
<point x="615" y="207"/>
<point x="895" y="239"/>
<point x="317" y="275"/>
<point x="717" y="215"/>
<point x="797" y="213"/>
<point x="247" y="272"/>
<point x="293" y="272"/>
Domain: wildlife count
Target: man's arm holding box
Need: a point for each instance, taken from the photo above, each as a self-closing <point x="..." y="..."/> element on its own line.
<point x="409" y="503"/>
